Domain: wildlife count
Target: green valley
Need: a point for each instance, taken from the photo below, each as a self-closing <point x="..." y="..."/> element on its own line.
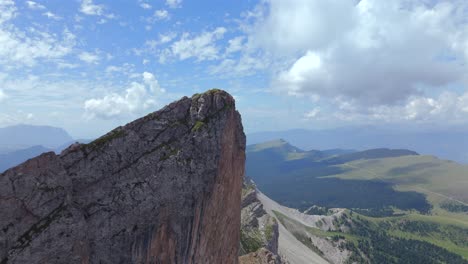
<point x="399" y="203"/>
<point x="301" y="179"/>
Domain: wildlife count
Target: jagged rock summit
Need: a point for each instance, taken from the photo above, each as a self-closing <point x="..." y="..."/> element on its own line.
<point x="165" y="188"/>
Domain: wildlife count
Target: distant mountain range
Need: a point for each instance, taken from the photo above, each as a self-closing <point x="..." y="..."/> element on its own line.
<point x="28" y="135"/>
<point x="22" y="142"/>
<point x="451" y="145"/>
<point x="17" y="157"/>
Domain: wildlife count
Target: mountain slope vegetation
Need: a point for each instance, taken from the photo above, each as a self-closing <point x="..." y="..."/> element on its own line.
<point x="298" y="179"/>
<point x="390" y="240"/>
<point x="399" y="204"/>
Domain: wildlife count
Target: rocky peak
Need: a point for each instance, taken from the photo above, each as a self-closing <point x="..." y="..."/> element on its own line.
<point x="165" y="188"/>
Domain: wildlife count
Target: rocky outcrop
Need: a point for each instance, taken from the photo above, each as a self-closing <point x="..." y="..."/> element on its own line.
<point x="259" y="231"/>
<point x="261" y="256"/>
<point x="165" y="188"/>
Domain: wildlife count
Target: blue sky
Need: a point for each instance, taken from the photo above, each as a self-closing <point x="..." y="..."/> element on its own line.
<point x="91" y="65"/>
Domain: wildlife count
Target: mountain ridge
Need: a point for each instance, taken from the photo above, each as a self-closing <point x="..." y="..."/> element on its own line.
<point x="23" y="136"/>
<point x="154" y="190"/>
<point x="445" y="144"/>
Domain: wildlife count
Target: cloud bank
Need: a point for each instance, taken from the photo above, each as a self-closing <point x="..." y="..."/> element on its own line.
<point x="369" y="52"/>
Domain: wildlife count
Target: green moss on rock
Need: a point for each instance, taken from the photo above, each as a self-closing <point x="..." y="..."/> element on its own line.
<point x="213" y="91"/>
<point x="269" y="231"/>
<point x="198" y="125"/>
<point x="116" y="133"/>
<point x="250" y="241"/>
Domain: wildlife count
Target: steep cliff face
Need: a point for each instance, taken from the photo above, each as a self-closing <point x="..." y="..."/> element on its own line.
<point x="163" y="189"/>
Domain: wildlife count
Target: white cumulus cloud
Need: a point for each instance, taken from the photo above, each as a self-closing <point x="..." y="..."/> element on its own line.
<point x="158" y="15"/>
<point x="51" y="15"/>
<point x="235" y="44"/>
<point x="161" y="14"/>
<point x="3" y="95"/>
<point x="448" y="108"/>
<point x="201" y="47"/>
<point x="308" y="70"/>
<point x="140" y="96"/>
<point x="173" y="3"/>
<point x="89" y="57"/>
<point x="26" y="48"/>
<point x="312" y="114"/>
<point x="370" y="51"/>
<point x="7" y="11"/>
<point x="144" y="5"/>
<point x="89" y="8"/>
<point x="34" y="5"/>
<point x="150" y="80"/>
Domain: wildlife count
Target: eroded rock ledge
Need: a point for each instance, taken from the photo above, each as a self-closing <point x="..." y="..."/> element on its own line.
<point x="259" y="231"/>
<point x="165" y="188"/>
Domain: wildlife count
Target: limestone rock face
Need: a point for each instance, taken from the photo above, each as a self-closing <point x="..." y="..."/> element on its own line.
<point x="258" y="229"/>
<point x="165" y="188"/>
